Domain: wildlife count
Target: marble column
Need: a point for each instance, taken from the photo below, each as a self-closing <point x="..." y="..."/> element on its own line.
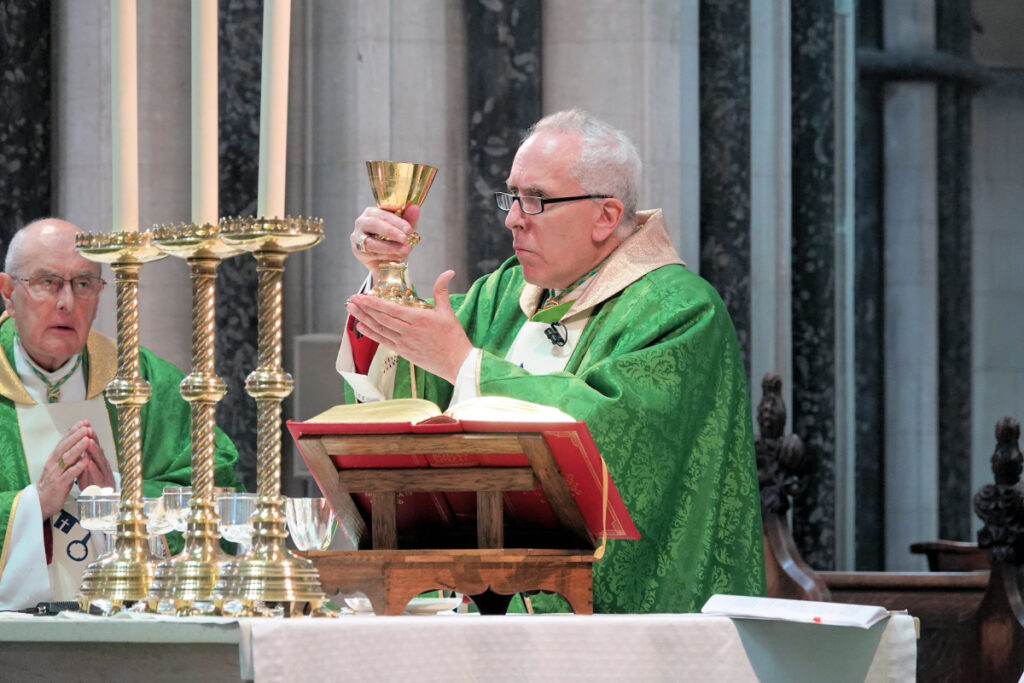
<point x="814" y="274"/>
<point x="503" y="92"/>
<point x="725" y="158"/>
<point x="25" y="115"/>
<point x="240" y="24"/>
<point x="869" y="287"/>
<point x="954" y="230"/>
<point x="911" y="291"/>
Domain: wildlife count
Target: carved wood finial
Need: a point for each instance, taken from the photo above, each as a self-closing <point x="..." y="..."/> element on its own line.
<point x="1001" y="505"/>
<point x="780" y="458"/>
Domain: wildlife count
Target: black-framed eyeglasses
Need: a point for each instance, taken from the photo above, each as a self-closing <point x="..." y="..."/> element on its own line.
<point x="532" y="205"/>
<point x="49" y="285"/>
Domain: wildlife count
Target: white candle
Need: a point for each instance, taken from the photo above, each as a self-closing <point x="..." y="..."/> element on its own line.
<point x="274" y="108"/>
<point x="125" y="115"/>
<point x="204" y="112"/>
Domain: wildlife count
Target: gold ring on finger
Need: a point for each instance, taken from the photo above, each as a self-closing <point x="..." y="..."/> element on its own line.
<point x="361" y="244"/>
<point x="60" y="462"/>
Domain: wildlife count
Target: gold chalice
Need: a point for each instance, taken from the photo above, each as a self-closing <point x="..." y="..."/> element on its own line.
<point x="396" y="186"/>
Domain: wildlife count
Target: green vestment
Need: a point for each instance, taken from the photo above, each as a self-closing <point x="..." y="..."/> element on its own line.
<point x="658" y="377"/>
<point x="165" y="434"/>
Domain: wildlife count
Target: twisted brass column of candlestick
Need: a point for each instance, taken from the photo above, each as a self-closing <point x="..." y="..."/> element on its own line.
<point x="186" y="581"/>
<point x="269" y="572"/>
<point x="124" y="575"/>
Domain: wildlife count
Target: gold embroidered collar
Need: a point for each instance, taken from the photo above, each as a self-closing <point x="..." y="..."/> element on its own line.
<point x="647" y="249"/>
<point x="100" y="350"/>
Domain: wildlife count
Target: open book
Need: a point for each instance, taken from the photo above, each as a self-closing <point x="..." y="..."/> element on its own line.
<point x="572" y="449"/>
<point x="805" y="611"/>
<point x="418" y="411"/>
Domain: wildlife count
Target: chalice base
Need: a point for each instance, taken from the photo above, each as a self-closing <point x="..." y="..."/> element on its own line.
<point x="391" y="286"/>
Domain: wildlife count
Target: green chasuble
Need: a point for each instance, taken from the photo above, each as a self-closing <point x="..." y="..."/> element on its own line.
<point x="166" y="425"/>
<point x="658" y="377"/>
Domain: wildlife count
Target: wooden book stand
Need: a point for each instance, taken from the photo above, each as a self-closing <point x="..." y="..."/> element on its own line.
<point x="489" y="572"/>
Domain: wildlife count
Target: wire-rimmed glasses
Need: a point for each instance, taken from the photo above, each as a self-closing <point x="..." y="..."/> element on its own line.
<point x="48" y="285"/>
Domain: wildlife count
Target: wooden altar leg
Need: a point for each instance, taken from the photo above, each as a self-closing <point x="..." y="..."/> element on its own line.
<point x="490" y="525"/>
<point x="490" y="602"/>
<point x="384" y="520"/>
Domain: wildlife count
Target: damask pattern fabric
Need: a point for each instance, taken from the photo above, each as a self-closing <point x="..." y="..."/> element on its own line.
<point x="659" y="380"/>
<point x="166" y="437"/>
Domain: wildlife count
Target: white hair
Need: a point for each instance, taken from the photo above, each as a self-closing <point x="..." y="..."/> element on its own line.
<point x="608" y="164"/>
<point x="12" y="262"/>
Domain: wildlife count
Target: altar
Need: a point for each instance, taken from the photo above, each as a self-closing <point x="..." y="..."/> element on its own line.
<point x="657" y="647"/>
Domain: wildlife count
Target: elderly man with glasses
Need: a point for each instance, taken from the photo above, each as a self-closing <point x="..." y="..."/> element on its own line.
<point x="56" y="429"/>
<point x="596" y="315"/>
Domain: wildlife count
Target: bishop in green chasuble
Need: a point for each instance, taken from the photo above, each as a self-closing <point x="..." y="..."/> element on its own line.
<point x="657" y="375"/>
<point x="165" y="436"/>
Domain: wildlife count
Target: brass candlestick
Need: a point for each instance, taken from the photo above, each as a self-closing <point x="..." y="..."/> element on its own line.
<point x="269" y="572"/>
<point x="125" y="574"/>
<point x="396" y="186"/>
<point x="189" y="578"/>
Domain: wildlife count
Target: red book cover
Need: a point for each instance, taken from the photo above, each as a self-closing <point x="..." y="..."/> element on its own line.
<point x="572" y="448"/>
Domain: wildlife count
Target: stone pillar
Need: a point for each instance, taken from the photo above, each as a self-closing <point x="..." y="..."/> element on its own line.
<point x="503" y="84"/>
<point x="725" y="158"/>
<point x="770" y="192"/>
<point x="814" y="273"/>
<point x="997" y="186"/>
<point x="389" y="84"/>
<point x="82" y="156"/>
<point x="240" y="44"/>
<point x="911" y="291"/>
<point x="624" y="62"/>
<point x="869" y="307"/>
<point x="954" y="230"/>
<point x="24" y="110"/>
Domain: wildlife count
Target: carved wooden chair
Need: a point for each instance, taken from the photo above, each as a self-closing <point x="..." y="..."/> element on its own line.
<point x="993" y="644"/>
<point x="780" y="466"/>
<point x="964" y="629"/>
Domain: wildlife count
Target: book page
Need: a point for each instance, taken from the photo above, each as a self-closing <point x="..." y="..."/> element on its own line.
<point x="805" y="611"/>
<point x="505" y="409"/>
<point x="398" y="410"/>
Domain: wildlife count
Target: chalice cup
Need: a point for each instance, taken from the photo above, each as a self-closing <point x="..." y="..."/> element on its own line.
<point x="396" y="186"/>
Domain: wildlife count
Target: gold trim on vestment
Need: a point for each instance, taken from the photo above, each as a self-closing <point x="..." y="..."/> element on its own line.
<point x="647" y="249"/>
<point x="102" y="351"/>
<point x="102" y="354"/>
<point x="7" y="533"/>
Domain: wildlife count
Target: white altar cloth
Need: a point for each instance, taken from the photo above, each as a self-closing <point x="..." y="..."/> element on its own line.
<point x="660" y="647"/>
<point x="669" y="647"/>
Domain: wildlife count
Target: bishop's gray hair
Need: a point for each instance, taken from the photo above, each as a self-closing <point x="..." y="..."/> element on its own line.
<point x="608" y="164"/>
